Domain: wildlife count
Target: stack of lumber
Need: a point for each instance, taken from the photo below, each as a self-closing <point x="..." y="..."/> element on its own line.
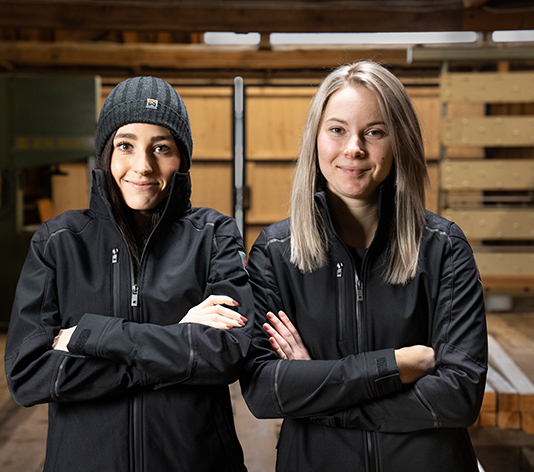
<point x="509" y="396"/>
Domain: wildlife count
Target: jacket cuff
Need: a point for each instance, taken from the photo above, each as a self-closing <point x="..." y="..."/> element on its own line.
<point x="84" y="340"/>
<point x="384" y="376"/>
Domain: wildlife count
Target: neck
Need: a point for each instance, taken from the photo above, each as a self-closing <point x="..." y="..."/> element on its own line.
<point x="354" y="220"/>
<point x="143" y="222"/>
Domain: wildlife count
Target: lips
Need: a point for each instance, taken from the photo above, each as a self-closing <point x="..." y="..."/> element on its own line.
<point x="141" y="185"/>
<point x="352" y="170"/>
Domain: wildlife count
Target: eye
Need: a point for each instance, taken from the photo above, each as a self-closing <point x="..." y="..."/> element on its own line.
<point x="336" y="130"/>
<point x="376" y="133"/>
<point x="161" y="148"/>
<point x="124" y="146"/>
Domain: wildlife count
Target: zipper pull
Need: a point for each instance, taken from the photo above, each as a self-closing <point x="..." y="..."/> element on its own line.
<point x="339" y="271"/>
<point x="115" y="255"/>
<point x="135" y="294"/>
<point x="359" y="290"/>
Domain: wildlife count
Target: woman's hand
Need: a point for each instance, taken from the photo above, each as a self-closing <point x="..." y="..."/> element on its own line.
<point x="211" y="312"/>
<point x="414" y="362"/>
<point x="62" y="339"/>
<point x="284" y="338"/>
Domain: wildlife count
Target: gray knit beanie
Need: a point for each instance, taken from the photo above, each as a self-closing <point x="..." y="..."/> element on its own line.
<point x="145" y="100"/>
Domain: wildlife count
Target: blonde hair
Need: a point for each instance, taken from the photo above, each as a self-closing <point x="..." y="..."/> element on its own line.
<point x="309" y="236"/>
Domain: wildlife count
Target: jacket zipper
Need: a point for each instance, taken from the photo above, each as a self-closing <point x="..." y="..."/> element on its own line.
<point x="427" y="404"/>
<point x="369" y="436"/>
<point x="137" y="452"/>
<point x="115" y="268"/>
<point x="341" y="297"/>
<point x="359" y="300"/>
<point x="137" y="399"/>
<point x="135" y="294"/>
<point x="138" y="445"/>
<point x="371" y="451"/>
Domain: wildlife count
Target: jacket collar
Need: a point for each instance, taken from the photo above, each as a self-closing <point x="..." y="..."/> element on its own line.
<point x="177" y="203"/>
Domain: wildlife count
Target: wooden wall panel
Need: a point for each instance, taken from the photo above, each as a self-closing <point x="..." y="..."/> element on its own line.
<point x="270" y="190"/>
<point x="210" y="113"/>
<point x="212" y="185"/>
<point x="274" y="121"/>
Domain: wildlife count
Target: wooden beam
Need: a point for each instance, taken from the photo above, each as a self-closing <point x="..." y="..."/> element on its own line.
<point x="239" y="16"/>
<point x="473" y="3"/>
<point x="184" y="56"/>
<point x="477" y="19"/>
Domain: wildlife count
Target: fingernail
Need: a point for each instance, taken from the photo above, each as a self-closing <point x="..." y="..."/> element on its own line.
<point x="236" y="303"/>
<point x="229" y="326"/>
<point x="243" y="319"/>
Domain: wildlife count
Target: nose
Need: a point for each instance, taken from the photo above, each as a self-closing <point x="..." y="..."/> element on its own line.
<point x="355" y="147"/>
<point x="142" y="163"/>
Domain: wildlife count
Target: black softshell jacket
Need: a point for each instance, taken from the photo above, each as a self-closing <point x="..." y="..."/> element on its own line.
<point x="347" y="410"/>
<point x="137" y="392"/>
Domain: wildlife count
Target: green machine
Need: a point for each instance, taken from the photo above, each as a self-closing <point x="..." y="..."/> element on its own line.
<point x="44" y="121"/>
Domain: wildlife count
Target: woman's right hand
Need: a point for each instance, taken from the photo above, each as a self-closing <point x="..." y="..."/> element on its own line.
<point x="414" y="362"/>
<point x="284" y="337"/>
<point x="211" y="312"/>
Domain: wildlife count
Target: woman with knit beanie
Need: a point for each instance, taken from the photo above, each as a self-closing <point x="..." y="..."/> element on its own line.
<point x="133" y="316"/>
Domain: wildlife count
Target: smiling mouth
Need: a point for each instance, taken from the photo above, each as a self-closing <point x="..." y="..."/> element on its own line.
<point x="142" y="185"/>
<point x="352" y="170"/>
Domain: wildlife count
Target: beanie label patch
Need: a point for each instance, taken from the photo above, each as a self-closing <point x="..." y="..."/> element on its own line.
<point x="151" y="103"/>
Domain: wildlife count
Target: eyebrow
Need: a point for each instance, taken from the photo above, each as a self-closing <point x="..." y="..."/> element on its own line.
<point x="339" y="120"/>
<point x="134" y="137"/>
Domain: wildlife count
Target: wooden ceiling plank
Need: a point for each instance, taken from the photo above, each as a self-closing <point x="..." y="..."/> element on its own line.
<point x="176" y="57"/>
<point x="224" y="17"/>
<point x="482" y="20"/>
<point x="473" y="3"/>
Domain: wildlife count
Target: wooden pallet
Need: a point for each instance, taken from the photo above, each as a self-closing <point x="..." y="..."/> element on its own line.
<point x="509" y="397"/>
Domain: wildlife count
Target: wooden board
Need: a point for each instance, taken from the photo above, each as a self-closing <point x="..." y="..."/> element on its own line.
<point x="488" y="131"/>
<point x="488" y="87"/>
<point x="497" y="224"/>
<point x="487" y="174"/>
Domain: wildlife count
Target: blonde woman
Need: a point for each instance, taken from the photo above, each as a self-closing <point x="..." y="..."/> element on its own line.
<point x="377" y="356"/>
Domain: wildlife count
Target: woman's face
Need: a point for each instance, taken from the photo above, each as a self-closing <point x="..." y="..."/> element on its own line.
<point x="143" y="161"/>
<point x="354" y="145"/>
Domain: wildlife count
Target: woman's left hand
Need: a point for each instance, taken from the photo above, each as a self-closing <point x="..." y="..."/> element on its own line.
<point x="62" y="339"/>
<point x="284" y="337"/>
<point x="212" y="312"/>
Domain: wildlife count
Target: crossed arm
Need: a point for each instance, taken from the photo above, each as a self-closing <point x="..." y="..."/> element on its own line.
<point x="413" y="362"/>
<point x="211" y="312"/>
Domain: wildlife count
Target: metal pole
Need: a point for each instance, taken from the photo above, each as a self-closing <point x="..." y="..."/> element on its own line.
<point x="239" y="158"/>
